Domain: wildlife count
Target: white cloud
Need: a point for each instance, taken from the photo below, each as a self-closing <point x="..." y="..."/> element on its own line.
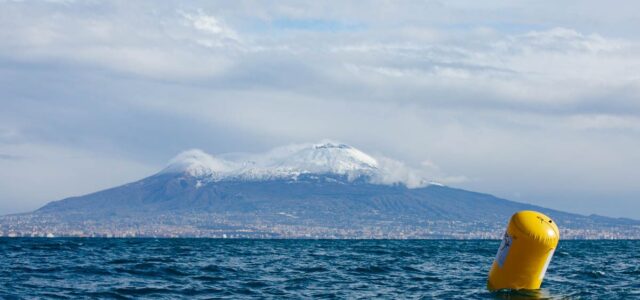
<point x="135" y="43"/>
<point x="397" y="171"/>
<point x="555" y="67"/>
<point x="211" y="25"/>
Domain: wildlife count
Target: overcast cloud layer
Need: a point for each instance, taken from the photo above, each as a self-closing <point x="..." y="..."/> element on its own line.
<point x="533" y="101"/>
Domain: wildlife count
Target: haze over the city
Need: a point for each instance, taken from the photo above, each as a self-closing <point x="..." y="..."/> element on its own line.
<point x="534" y="101"/>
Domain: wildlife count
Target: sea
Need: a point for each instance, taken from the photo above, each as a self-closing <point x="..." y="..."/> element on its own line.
<point x="139" y="268"/>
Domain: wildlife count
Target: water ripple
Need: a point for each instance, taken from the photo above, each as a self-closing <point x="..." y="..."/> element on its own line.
<point x="293" y="269"/>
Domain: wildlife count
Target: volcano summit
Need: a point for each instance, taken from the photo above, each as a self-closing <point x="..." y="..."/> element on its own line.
<point x="325" y="190"/>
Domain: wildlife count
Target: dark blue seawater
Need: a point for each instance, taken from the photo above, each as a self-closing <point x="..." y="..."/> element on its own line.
<point x="292" y="269"/>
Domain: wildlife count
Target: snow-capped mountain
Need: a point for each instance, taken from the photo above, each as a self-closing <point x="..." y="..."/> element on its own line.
<point x="326" y="158"/>
<point x="311" y="190"/>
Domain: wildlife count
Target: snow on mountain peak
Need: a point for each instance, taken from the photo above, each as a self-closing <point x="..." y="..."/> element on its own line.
<point x="291" y="161"/>
<point x="326" y="157"/>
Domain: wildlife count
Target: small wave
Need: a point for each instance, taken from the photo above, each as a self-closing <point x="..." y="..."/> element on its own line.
<point x="410" y="269"/>
<point x="426" y="278"/>
<point x="217" y="269"/>
<point x="141" y="291"/>
<point x="255" y="284"/>
<point x="105" y="295"/>
<point x="137" y="272"/>
<point x="313" y="269"/>
<point x="594" y="274"/>
<point x="90" y="270"/>
<point x="120" y="261"/>
<point x="372" y="270"/>
<point x="244" y="291"/>
<point x="37" y="270"/>
<point x="158" y="259"/>
<point x="173" y="271"/>
<point x="632" y="271"/>
<point x="208" y="278"/>
<point x="144" y="266"/>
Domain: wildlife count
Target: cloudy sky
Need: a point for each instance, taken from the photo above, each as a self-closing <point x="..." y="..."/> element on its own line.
<point x="533" y="101"/>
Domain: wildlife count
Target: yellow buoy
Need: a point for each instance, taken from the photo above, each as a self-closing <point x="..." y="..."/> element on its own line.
<point x="525" y="252"/>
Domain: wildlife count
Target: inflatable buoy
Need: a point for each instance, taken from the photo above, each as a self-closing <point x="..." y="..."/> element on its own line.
<point x="525" y="252"/>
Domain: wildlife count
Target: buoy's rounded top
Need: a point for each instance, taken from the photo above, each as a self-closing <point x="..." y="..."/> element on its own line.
<point x="537" y="225"/>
